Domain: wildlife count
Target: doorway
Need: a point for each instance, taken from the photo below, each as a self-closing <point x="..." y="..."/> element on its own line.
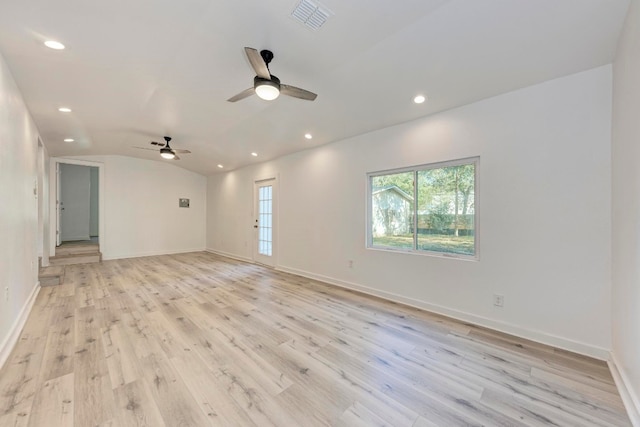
<point x="78" y="197"/>
<point x="265" y="220"/>
<point x="77" y="202"/>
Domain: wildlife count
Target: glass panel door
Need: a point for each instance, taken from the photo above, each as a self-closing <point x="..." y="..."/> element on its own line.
<point x="264" y="222"/>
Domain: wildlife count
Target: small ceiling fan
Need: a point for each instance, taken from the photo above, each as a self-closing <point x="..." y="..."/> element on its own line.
<point x="266" y="85"/>
<point x="166" y="151"/>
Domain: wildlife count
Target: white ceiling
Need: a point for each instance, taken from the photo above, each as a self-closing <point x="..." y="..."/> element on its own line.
<point x="134" y="71"/>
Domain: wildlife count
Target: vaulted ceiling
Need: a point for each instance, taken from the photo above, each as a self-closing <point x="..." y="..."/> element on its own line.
<point x="133" y="71"/>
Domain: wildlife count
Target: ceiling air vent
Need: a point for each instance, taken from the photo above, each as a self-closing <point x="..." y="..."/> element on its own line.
<point x="312" y="14"/>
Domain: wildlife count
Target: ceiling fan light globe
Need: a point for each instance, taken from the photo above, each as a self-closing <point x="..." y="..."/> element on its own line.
<point x="166" y="153"/>
<point x="267" y="92"/>
<point x="267" y="89"/>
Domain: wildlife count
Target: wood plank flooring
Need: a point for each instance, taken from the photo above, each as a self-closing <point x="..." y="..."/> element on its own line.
<point x="201" y="340"/>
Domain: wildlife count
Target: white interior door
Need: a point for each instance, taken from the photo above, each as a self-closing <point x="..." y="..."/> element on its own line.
<point x="75" y="202"/>
<point x="265" y="220"/>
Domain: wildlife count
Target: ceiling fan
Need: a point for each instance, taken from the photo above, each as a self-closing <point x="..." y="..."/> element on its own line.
<point x="166" y="151"/>
<point x="266" y="85"/>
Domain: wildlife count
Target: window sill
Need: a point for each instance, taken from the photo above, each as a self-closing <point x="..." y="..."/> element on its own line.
<point x="460" y="257"/>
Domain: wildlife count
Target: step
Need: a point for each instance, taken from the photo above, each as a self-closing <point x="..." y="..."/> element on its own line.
<point x="51" y="276"/>
<point x="83" y="258"/>
<point x="70" y="249"/>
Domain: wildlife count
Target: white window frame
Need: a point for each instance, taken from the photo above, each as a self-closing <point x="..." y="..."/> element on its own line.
<point x="415" y="169"/>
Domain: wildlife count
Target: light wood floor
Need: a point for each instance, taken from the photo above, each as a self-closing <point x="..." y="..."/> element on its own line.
<point x="199" y="340"/>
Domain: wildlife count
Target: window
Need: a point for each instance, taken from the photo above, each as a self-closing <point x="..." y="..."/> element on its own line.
<point x="425" y="209"/>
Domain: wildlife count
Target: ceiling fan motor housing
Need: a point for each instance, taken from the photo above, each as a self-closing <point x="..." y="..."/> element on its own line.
<point x="259" y="81"/>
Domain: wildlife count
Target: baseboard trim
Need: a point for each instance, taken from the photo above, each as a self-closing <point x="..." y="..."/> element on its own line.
<point x="108" y="257"/>
<point x="533" y="335"/>
<point x="630" y="399"/>
<point x="230" y="255"/>
<point x="16" y="329"/>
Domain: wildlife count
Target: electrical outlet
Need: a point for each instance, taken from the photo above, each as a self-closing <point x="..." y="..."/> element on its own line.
<point x="350" y="263"/>
<point x="498" y="300"/>
<point x="6" y="293"/>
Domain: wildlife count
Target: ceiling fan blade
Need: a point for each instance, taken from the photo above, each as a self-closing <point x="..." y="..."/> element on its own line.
<point x="175" y="157"/>
<point x="296" y="92"/>
<point x="257" y="63"/>
<point x="176" y="150"/>
<point x="146" y="148"/>
<point x="242" y="95"/>
<point x="159" y="144"/>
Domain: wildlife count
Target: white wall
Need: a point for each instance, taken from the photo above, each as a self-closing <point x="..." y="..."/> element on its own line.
<point x="544" y="187"/>
<point x="626" y="207"/>
<point x="18" y="210"/>
<point x="75" y="202"/>
<point x="141" y="213"/>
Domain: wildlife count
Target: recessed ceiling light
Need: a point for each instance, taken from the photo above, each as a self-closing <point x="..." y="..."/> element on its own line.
<point x="64" y="110"/>
<point x="52" y="44"/>
<point x="308" y="135"/>
<point x="254" y="154"/>
<point x="220" y="166"/>
<point x="419" y="99"/>
<point x="69" y="140"/>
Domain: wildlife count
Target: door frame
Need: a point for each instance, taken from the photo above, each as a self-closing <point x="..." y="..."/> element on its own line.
<point x="274" y="223"/>
<point x="42" y="194"/>
<point x="54" y="198"/>
<point x="58" y="209"/>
